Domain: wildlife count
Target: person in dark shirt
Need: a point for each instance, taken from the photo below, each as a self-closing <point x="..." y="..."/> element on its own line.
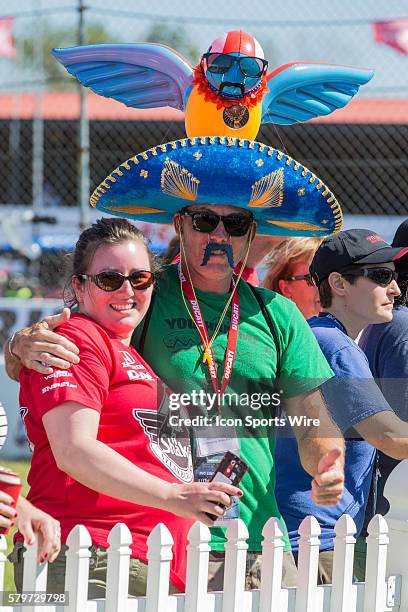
<point x="386" y="347"/>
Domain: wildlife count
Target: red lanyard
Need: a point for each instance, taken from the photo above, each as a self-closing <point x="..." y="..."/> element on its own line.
<point x="202" y="330"/>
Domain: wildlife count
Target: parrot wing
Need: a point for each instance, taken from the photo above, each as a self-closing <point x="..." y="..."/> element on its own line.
<point x="301" y="91"/>
<point x="141" y="75"/>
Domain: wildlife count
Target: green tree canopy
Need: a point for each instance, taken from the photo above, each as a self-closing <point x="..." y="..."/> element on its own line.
<point x="52" y="36"/>
<point x="176" y="38"/>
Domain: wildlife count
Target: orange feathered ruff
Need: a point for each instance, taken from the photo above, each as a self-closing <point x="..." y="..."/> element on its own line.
<point x="210" y="95"/>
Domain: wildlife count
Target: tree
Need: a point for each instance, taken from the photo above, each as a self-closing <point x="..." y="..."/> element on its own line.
<point x="176" y="38"/>
<point x="52" y="37"/>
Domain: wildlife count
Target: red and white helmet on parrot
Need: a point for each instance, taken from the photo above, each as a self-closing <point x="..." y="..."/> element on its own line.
<point x="237" y="41"/>
<point x="234" y="64"/>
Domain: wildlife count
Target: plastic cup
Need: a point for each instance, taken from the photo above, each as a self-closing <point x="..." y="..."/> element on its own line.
<point x="10" y="483"/>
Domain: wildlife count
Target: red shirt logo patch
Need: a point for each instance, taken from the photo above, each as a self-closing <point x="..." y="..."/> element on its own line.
<point x="172" y="450"/>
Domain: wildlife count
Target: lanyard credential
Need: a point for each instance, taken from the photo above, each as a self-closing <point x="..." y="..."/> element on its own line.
<point x="199" y="322"/>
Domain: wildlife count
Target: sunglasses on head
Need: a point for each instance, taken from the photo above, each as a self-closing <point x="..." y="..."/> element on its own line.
<point x="380" y="276"/>
<point x="300" y="277"/>
<point x="220" y="63"/>
<point x="206" y="221"/>
<point x="111" y="280"/>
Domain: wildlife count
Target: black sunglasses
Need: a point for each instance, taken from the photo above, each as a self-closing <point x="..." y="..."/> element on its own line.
<point x="236" y="224"/>
<point x="111" y="280"/>
<point x="306" y="277"/>
<point x="380" y="276"/>
<point x="220" y="63"/>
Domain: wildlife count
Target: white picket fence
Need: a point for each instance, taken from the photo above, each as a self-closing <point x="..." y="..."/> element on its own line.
<point x="384" y="590"/>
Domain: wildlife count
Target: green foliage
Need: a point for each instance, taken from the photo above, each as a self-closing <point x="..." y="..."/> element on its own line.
<point x="176" y="38"/>
<point x="59" y="37"/>
<point x="95" y="33"/>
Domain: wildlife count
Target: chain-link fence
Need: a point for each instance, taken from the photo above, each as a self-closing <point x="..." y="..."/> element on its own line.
<point x="361" y="152"/>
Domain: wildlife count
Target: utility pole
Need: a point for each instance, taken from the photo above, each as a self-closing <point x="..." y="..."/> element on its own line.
<point x="38" y="119"/>
<point x="15" y="153"/>
<point x="83" y="158"/>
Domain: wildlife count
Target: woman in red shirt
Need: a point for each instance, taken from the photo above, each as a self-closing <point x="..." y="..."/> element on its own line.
<point x="100" y="452"/>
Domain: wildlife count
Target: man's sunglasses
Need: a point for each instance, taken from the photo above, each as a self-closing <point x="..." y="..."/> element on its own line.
<point x="236" y="224"/>
<point x="306" y="277"/>
<point x="111" y="281"/>
<point x="380" y="276"/>
<point x="220" y="63"/>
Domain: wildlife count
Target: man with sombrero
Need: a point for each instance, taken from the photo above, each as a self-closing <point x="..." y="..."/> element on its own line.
<point x="208" y="330"/>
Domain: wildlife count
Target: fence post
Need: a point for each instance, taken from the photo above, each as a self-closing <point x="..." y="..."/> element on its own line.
<point x="343" y="593"/>
<point x="397" y="521"/>
<point x="159" y="555"/>
<point x="197" y="568"/>
<point x="117" y="576"/>
<point x="308" y="560"/>
<point x="3" y="559"/>
<point x="35" y="575"/>
<point x="77" y="568"/>
<point x="271" y="571"/>
<point x="235" y="565"/>
<point x="375" y="586"/>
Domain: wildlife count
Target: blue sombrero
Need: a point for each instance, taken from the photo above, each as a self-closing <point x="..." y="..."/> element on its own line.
<point x="285" y="198"/>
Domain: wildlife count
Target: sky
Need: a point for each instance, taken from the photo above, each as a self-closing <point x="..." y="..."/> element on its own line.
<point x="336" y="31"/>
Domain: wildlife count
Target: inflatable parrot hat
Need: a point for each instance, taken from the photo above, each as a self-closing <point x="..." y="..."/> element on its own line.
<point x="229" y="93"/>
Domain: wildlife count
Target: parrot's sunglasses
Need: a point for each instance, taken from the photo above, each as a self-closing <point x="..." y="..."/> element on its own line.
<point x="112" y="281"/>
<point x="236" y="224"/>
<point x="379" y="276"/>
<point x="220" y="63"/>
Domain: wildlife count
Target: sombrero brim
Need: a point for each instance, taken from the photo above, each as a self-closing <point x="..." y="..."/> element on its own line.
<point x="286" y="198"/>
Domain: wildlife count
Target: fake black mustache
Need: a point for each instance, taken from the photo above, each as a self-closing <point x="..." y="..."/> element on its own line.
<point x="214" y="247"/>
<point x="229" y="84"/>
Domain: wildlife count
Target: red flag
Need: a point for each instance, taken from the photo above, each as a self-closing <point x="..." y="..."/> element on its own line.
<point x="7" y="48"/>
<point x="393" y="33"/>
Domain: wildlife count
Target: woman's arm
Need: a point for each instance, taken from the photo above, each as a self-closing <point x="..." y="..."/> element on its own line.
<point x="72" y="432"/>
<point x="37" y="345"/>
<point x="34" y="522"/>
<point x="31" y="522"/>
<point x="12" y="362"/>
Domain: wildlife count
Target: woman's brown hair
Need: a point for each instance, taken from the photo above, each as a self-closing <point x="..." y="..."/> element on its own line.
<point x="107" y="230"/>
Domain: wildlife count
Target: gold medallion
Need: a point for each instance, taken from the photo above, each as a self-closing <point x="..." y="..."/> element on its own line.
<point x="235" y="117"/>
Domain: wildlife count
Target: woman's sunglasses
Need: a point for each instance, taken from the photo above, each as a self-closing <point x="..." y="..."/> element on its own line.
<point x="300" y="277"/>
<point x="380" y="276"/>
<point x="236" y="224"/>
<point x="111" y="281"/>
<point x="220" y="63"/>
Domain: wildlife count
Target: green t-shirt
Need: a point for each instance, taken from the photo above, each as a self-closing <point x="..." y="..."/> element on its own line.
<point x="174" y="350"/>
